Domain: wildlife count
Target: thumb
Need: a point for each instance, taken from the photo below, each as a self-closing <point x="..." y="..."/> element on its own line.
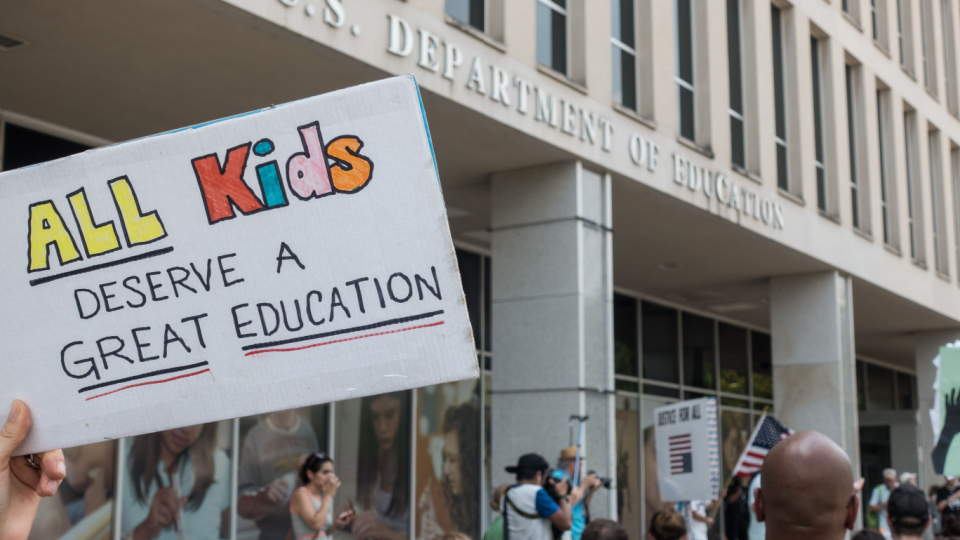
<point x="14" y="431"/>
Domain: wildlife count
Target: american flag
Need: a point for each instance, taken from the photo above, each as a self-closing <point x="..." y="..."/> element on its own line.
<point x="769" y="432"/>
<point x="681" y="454"/>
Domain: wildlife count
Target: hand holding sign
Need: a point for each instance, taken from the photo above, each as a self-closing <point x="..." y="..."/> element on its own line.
<point x="21" y="485"/>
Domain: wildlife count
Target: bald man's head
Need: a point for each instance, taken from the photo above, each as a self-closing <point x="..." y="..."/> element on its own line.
<point x="807" y="489"/>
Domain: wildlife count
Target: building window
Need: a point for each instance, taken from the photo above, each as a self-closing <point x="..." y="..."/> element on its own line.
<point x="949" y="56"/>
<point x="904" y="34"/>
<point x="955" y="182"/>
<point x="817" y="70"/>
<point x="623" y="46"/>
<point x="469" y="12"/>
<point x="23" y="147"/>
<point x="875" y="24"/>
<point x="927" y="51"/>
<point x="882" y="389"/>
<point x="552" y="34"/>
<point x="685" y="68"/>
<point x="914" y="209"/>
<point x="936" y="204"/>
<point x="852" y="142"/>
<point x="734" y="61"/>
<point x="885" y="196"/>
<point x="779" y="98"/>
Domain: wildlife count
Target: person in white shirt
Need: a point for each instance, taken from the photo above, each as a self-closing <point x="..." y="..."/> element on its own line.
<point x="757" y="530"/>
<point x="698" y="522"/>
<point x="878" y="500"/>
<point x="528" y="510"/>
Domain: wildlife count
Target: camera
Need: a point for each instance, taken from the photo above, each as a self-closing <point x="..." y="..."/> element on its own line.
<point x="554" y="477"/>
<point x="603" y="479"/>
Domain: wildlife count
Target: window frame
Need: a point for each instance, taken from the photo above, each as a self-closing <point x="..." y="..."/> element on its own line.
<point x="564" y="11"/>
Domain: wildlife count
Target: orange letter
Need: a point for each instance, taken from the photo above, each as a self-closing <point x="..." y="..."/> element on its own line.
<point x="351" y="170"/>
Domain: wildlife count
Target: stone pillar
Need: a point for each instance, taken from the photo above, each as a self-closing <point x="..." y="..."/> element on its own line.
<point x="814" y="380"/>
<point x="927" y="346"/>
<point x="552" y="298"/>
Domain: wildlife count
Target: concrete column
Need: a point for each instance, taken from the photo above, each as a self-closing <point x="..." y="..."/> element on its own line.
<point x="814" y="382"/>
<point x="552" y="297"/>
<point x="927" y="347"/>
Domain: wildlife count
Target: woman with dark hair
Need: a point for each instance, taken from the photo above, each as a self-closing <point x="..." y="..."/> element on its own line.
<point x="177" y="485"/>
<point x="461" y="459"/>
<point x="383" y="468"/>
<point x="311" y="507"/>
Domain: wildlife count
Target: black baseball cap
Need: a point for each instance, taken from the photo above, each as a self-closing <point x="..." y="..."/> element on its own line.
<point x="907" y="506"/>
<point x="529" y="462"/>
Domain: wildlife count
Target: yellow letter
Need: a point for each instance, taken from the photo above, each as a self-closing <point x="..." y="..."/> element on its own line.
<point x="139" y="228"/>
<point x="97" y="239"/>
<point x="47" y="228"/>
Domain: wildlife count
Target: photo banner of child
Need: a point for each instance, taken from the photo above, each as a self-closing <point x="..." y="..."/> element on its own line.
<point x="945" y="415"/>
<point x="279" y="259"/>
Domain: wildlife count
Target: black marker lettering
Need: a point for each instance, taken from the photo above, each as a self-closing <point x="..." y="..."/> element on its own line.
<point x="168" y="340"/>
<point x="310" y="311"/>
<point x="180" y="282"/>
<point x="238" y="325"/>
<point x="225" y="271"/>
<point x="196" y="322"/>
<point x="376" y="282"/>
<point x="107" y="297"/>
<point x="283" y="308"/>
<point x="263" y="321"/>
<point x="356" y="285"/>
<point x="143" y="297"/>
<point x="141" y="346"/>
<point x="76" y="296"/>
<point x="291" y="257"/>
<point x="436" y="283"/>
<point x="63" y="362"/>
<point x="153" y="287"/>
<point x="206" y="284"/>
<point x="114" y="352"/>
<point x="336" y="301"/>
<point x="390" y="288"/>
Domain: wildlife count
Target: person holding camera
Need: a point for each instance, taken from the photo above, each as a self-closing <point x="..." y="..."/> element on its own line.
<point x="589" y="484"/>
<point x="528" y="510"/>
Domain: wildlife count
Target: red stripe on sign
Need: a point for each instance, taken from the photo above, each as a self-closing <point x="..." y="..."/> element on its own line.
<point x="673" y="437"/>
<point x="251" y="353"/>
<point x="150" y="382"/>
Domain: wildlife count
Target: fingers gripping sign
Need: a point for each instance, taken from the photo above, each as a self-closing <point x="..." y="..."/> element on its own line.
<point x="21" y="485"/>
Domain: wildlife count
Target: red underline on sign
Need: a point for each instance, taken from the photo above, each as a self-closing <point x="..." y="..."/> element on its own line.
<point x="251" y="353"/>
<point x="151" y="382"/>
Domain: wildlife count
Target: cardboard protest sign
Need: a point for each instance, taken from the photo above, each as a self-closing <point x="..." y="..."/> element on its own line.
<point x="688" y="451"/>
<point x="291" y="256"/>
<point x="945" y="416"/>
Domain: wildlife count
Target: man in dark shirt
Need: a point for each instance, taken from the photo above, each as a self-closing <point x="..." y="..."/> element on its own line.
<point x="948" y="497"/>
<point x="736" y="513"/>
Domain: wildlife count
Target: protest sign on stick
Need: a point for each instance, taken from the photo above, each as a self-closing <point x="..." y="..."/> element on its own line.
<point x="291" y="256"/>
<point x="945" y="415"/>
<point x="688" y="451"/>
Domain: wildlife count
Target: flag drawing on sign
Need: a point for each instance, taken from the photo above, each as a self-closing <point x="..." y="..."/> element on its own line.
<point x="768" y="433"/>
<point x="681" y="454"/>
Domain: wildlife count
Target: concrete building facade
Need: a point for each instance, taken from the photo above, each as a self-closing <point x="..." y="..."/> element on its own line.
<point x="653" y="200"/>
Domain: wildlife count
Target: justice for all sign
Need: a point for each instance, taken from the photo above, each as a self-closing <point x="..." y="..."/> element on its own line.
<point x="688" y="452"/>
<point x="291" y="256"/>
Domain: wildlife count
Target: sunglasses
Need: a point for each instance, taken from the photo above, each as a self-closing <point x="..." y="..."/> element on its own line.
<point x="314" y="458"/>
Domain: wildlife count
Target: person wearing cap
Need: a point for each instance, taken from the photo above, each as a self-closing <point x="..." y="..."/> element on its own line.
<point x="528" y="510"/>
<point x="878" y="500"/>
<point x="589" y="484"/>
<point x="907" y="512"/>
<point x="948" y="498"/>
<point x="908" y="478"/>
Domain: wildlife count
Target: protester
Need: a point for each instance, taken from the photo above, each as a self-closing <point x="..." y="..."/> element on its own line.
<point x="557" y="486"/>
<point x="878" y="500"/>
<point x="22" y="486"/>
<point x="566" y="463"/>
<point x="867" y="534"/>
<point x="948" y="498"/>
<point x="807" y="489"/>
<point x="528" y="511"/>
<point x="604" y="529"/>
<point x="908" y="478"/>
<point x="177" y="485"/>
<point x="667" y="524"/>
<point x="311" y="507"/>
<point x="736" y="513"/>
<point x="756" y="530"/>
<point x="936" y="519"/>
<point x="495" y="531"/>
<point x="951" y="526"/>
<point x="698" y="519"/>
<point x="383" y="472"/>
<point x="908" y="514"/>
<point x="271" y="453"/>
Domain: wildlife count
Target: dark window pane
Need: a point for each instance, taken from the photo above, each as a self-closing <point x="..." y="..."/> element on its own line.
<point x="559" y="26"/>
<point x="624" y="78"/>
<point x="733" y="359"/>
<point x="476" y="14"/>
<point x="698" y="352"/>
<point x="628" y="386"/>
<point x="660" y="343"/>
<point x="782" y="172"/>
<point x="654" y="390"/>
<point x="861" y="391"/>
<point x="821" y="189"/>
<point x="879" y="388"/>
<point x="625" y="359"/>
<point x="762" y="360"/>
<point x="905" y="392"/>
<point x="684" y="41"/>
<point x="487" y="309"/>
<point x="694" y="395"/>
<point x="778" y="95"/>
<point x="561" y="3"/>
<point x="734" y="402"/>
<point x="551" y="38"/>
<point x="622" y="21"/>
<point x="852" y="144"/>
<point x="817" y="97"/>
<point x="469" y="264"/>
<point x="733" y="55"/>
<point x="737" y="147"/>
<point x="763" y="407"/>
<point x="23" y="147"/>
<point x="686" y="114"/>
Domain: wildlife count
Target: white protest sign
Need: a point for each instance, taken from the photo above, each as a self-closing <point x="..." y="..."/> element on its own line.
<point x="688" y="451"/>
<point x="290" y="256"/>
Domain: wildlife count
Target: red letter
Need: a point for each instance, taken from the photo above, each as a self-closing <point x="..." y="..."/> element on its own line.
<point x="224" y="188"/>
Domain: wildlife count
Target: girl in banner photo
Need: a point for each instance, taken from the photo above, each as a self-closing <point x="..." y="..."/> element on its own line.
<point x="311" y="507"/>
<point x="177" y="486"/>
